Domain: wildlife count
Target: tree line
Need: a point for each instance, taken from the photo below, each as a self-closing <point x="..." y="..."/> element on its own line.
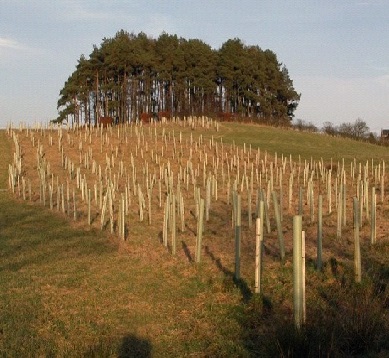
<point x="132" y="74"/>
<point x="358" y="130"/>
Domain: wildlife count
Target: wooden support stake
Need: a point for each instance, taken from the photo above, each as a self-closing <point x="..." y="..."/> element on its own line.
<point x="357" y="248"/>
<point x="319" y="262"/>
<point x="297" y="271"/>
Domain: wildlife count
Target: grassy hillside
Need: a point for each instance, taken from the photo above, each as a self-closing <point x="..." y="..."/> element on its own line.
<point x="76" y="292"/>
<point x="307" y="145"/>
<point x="69" y="289"/>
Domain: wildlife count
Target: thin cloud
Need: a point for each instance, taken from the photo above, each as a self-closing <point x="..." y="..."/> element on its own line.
<point x="12" y="50"/>
<point x="11" y="44"/>
<point x="9" y="49"/>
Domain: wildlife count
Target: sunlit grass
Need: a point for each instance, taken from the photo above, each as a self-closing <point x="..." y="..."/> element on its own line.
<point x="77" y="292"/>
<point x="74" y="292"/>
<point x="303" y="144"/>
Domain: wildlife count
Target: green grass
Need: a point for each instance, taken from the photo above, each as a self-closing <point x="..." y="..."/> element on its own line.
<point x="69" y="292"/>
<point x="307" y="145"/>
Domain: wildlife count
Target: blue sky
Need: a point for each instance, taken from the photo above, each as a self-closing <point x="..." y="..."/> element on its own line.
<point x="336" y="51"/>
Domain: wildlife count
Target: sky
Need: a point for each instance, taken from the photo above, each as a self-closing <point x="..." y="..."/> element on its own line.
<point x="336" y="51"/>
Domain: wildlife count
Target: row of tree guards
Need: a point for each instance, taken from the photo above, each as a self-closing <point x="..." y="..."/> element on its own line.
<point x="177" y="176"/>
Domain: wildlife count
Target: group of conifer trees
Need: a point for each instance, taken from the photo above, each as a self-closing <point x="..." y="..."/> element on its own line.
<point x="129" y="75"/>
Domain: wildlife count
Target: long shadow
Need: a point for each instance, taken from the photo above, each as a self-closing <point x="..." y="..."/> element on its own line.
<point x="134" y="347"/>
<point x="130" y="346"/>
<point x="239" y="283"/>
<point x="187" y="251"/>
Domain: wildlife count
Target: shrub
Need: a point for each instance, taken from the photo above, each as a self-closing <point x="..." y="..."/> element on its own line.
<point x="350" y="321"/>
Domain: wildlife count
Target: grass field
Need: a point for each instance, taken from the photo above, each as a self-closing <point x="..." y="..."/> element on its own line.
<point x="68" y="292"/>
<point x="72" y="290"/>
<point x="303" y="144"/>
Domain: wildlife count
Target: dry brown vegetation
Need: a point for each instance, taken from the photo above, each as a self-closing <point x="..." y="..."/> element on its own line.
<point x="135" y="162"/>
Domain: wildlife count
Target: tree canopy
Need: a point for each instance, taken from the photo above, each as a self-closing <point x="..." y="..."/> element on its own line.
<point x="130" y="74"/>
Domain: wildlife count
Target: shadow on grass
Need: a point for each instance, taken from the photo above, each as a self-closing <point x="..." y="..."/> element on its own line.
<point x="133" y="346"/>
<point x="239" y="283"/>
<point x="30" y="235"/>
<point x="187" y="251"/>
<point x="130" y="346"/>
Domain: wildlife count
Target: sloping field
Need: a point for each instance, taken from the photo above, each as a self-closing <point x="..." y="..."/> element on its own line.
<point x="73" y="288"/>
<point x="77" y="292"/>
<point x="306" y="145"/>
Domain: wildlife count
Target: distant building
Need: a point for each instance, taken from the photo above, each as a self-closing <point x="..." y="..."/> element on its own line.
<point x="385" y="134"/>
